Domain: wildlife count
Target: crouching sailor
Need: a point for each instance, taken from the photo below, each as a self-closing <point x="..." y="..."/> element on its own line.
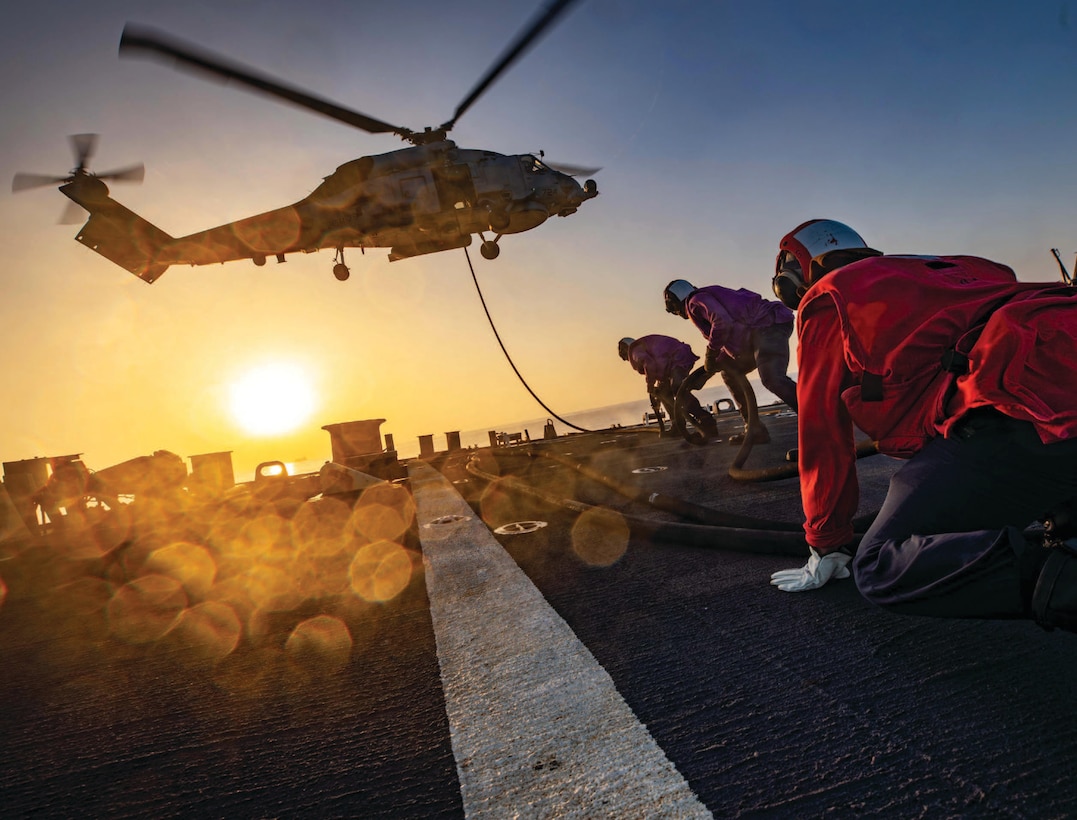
<point x="665" y="363"/>
<point x="744" y="332"/>
<point x="951" y="363"/>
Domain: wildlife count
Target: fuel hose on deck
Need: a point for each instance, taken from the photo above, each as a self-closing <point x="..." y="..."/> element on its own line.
<point x="688" y="509"/>
<point x="734" y="539"/>
<point x="677" y="506"/>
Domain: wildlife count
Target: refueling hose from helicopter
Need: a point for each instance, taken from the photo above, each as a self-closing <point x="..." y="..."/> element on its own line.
<point x="699" y="436"/>
<point x="512" y="364"/>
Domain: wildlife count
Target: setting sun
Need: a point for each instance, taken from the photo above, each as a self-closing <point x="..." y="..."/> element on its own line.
<point x="272" y="399"/>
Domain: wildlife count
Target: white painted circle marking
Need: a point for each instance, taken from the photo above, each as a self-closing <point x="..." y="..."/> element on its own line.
<point x="520" y="527"/>
<point x="447" y="519"/>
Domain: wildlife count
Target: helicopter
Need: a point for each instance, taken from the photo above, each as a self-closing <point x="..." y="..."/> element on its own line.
<point x="432" y="196"/>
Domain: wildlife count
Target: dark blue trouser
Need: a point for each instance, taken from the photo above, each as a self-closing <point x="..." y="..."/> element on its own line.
<point x="948" y="539"/>
<point x="770" y="354"/>
<point x="668" y="392"/>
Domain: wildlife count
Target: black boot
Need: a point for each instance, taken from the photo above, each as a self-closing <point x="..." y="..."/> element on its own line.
<point x="1054" y="600"/>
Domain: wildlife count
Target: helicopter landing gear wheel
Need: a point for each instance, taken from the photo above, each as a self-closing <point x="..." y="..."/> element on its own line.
<point x="340" y="270"/>
<point x="489" y="249"/>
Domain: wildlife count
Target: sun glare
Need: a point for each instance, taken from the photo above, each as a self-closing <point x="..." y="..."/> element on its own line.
<point x="272" y="399"/>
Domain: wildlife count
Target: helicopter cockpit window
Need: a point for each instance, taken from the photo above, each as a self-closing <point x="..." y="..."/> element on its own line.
<point x="532" y="163"/>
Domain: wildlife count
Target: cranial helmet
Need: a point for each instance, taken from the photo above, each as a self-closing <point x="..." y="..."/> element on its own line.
<point x="623" y="345"/>
<point x="811" y="250"/>
<point x="675" y="293"/>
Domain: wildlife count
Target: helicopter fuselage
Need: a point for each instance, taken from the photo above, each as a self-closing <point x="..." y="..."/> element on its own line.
<point x="431" y="197"/>
<point x="414" y="201"/>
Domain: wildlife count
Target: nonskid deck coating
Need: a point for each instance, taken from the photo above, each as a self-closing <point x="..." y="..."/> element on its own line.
<point x="767" y="704"/>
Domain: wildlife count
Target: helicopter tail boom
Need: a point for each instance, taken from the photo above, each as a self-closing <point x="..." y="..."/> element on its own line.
<point x="120" y="235"/>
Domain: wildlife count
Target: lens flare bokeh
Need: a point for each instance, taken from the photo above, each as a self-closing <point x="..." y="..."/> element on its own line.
<point x="190" y="564"/>
<point x="321" y="642"/>
<point x="205" y="633"/>
<point x="600" y="537"/>
<point x="380" y="571"/>
<point x="144" y="609"/>
<point x="257" y="588"/>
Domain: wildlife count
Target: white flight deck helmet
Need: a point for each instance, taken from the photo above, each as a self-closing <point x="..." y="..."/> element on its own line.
<point x="818" y="246"/>
<point x="623" y="345"/>
<point x="675" y="293"/>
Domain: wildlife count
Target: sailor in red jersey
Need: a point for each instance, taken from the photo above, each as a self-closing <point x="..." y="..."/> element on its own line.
<point x="953" y="364"/>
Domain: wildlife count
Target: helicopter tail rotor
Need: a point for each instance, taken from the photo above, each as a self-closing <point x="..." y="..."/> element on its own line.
<point x="83" y="146"/>
<point x="26" y="182"/>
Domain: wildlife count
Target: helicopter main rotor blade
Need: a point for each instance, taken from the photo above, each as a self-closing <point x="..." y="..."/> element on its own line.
<point x="572" y="170"/>
<point x="139" y="40"/>
<point x="526" y="38"/>
<point x="24" y="182"/>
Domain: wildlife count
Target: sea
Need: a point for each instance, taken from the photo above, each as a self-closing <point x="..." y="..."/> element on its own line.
<point x="625" y="414"/>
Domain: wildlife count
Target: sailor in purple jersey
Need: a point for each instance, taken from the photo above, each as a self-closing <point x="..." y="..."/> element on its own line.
<point x="665" y="363"/>
<point x="744" y="332"/>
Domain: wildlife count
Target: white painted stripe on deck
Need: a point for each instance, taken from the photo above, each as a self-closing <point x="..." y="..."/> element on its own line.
<point x="537" y="726"/>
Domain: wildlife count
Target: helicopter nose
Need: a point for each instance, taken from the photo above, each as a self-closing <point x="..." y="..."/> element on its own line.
<point x="579" y="194"/>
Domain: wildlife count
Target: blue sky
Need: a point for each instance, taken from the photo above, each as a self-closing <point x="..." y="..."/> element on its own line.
<point x="932" y="127"/>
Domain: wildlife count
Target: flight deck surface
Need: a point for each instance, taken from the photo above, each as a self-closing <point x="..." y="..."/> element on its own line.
<point x="596" y="657"/>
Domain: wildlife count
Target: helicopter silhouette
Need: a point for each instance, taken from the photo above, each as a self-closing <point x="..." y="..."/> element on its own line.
<point x="430" y="197"/>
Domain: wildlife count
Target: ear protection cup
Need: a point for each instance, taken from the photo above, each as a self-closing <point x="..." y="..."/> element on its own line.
<point x="675" y="293"/>
<point x="789" y="288"/>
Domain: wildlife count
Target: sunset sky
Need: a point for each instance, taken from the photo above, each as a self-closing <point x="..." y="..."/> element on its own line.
<point x="930" y="127"/>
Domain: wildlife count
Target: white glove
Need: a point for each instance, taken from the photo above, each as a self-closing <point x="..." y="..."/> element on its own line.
<point x="815" y="573"/>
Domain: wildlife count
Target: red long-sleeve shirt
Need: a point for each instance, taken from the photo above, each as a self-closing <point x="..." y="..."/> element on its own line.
<point x="895" y="317"/>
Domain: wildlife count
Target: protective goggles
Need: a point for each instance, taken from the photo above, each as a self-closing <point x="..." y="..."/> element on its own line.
<point x="788" y="263"/>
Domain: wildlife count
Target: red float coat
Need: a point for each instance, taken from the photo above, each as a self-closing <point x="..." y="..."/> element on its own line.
<point x="894" y="317"/>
